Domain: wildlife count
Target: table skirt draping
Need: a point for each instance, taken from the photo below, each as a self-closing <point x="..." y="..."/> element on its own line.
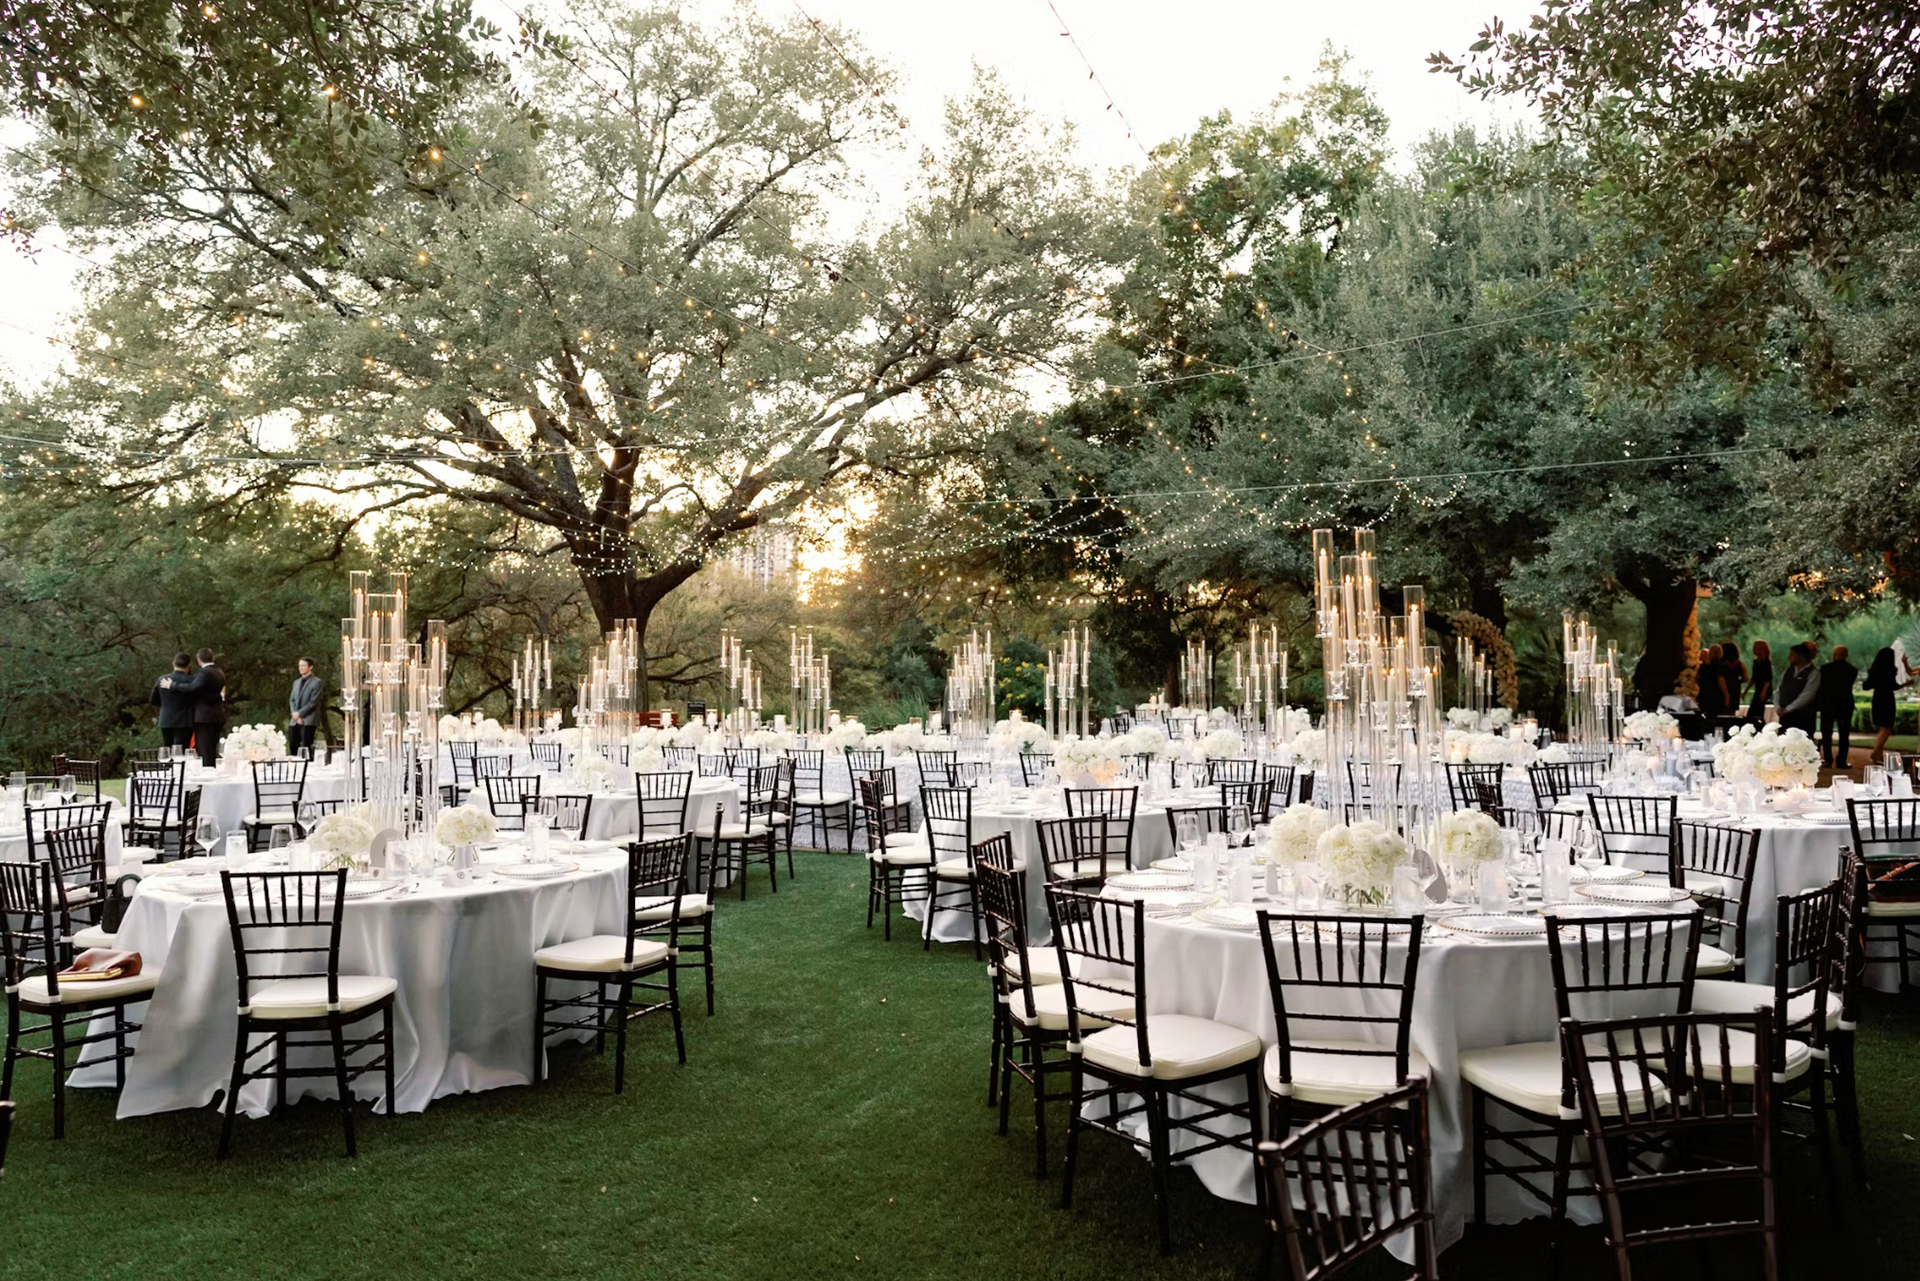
<point x="463" y="1016"/>
<point x="13" y="844"/>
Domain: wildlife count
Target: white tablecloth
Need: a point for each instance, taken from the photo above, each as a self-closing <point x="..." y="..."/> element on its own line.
<point x="616" y="815"/>
<point x="229" y="797"/>
<point x="13" y="841"/>
<point x="463" y="1018"/>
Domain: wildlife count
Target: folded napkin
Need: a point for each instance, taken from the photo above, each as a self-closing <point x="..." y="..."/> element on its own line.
<point x="98" y="964"/>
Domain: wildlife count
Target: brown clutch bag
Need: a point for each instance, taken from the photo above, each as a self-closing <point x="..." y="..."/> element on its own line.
<point x="98" y="964"/>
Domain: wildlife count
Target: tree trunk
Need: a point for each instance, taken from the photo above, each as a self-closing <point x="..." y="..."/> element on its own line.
<point x="1669" y="606"/>
<point x="621" y="596"/>
<point x="1489" y="603"/>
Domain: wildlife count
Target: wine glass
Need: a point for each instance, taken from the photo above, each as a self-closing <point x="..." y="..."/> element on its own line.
<point x="308" y="817"/>
<point x="1239" y="826"/>
<point x="279" y="840"/>
<point x="1187" y="826"/>
<point x="206" y="835"/>
<point x="1586" y="847"/>
<point x="69" y="788"/>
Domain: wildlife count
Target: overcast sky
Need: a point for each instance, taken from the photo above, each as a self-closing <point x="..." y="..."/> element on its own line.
<point x="1166" y="64"/>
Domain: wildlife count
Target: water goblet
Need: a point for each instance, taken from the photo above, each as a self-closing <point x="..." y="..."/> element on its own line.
<point x="206" y="835"/>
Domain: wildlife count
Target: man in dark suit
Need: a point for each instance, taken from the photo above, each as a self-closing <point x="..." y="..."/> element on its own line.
<point x="207" y="688"/>
<point x="175" y="704"/>
<point x="1836" y="707"/>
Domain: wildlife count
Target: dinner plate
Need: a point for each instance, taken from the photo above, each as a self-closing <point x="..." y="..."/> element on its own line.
<point x="535" y="871"/>
<point x="1638" y="895"/>
<point x="198" y="886"/>
<point x="1150" y="881"/>
<point x="1605" y="874"/>
<point x="1172" y="900"/>
<point x="1172" y="865"/>
<point x="1228" y="916"/>
<point x="1494" y="924"/>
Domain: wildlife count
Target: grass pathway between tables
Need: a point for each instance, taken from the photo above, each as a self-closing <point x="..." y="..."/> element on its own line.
<point x="831" y="1122"/>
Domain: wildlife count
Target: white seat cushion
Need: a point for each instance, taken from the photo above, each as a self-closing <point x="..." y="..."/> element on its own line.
<point x="1181" y="1046"/>
<point x="267" y="818"/>
<point x="600" y="954"/>
<point x="823" y="798"/>
<point x="1528" y="1076"/>
<point x="1719" y="996"/>
<point x="307" y="998"/>
<point x="90" y="937"/>
<point x="904" y="856"/>
<point x="1050" y="1006"/>
<point x="1877" y="908"/>
<point x="1338" y="1079"/>
<point x="1798" y="1056"/>
<point x="1044" y="962"/>
<point x="658" y="909"/>
<point x="33" y="991"/>
<point x="953" y="869"/>
<point x="1713" y="960"/>
<point x="744" y="831"/>
<point x="1087" y="869"/>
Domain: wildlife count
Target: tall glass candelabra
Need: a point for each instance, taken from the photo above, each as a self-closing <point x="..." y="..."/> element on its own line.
<point x="812" y="677"/>
<point x="1595" y="690"/>
<point x="1068" y="667"/>
<point x="1473" y="677"/>
<point x="391" y="691"/>
<point x="742" y="683"/>
<point x="607" y="709"/>
<point x="1260" y="685"/>
<point x="1196" y="676"/>
<point x="532" y="682"/>
<point x="970" y="687"/>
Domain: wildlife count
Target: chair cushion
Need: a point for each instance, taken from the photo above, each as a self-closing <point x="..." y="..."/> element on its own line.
<point x="658" y="909"/>
<point x="91" y="937"/>
<point x="953" y="869"/>
<point x="1798" y="1056"/>
<point x="744" y="831"/>
<point x="600" y="954"/>
<point x="1043" y="961"/>
<point x="1713" y="960"/>
<point x="1181" y="1046"/>
<point x="1050" y="1006"/>
<point x="1527" y="1076"/>
<point x="1086" y="869"/>
<point x="1338" y="1079"/>
<point x="904" y="856"/>
<point x="1876" y="907"/>
<point x="268" y="818"/>
<point x="33" y="991"/>
<point x="1719" y="996"/>
<point x="815" y="799"/>
<point x="307" y="998"/>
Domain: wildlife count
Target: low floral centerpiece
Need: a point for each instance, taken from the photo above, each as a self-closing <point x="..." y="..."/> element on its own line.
<point x="254" y="743"/>
<point x="1770" y="756"/>
<point x="344" y="837"/>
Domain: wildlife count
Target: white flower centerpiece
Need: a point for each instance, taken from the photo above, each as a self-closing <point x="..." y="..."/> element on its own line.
<point x="1089" y="762"/>
<point x="593" y="772"/>
<point x="1295" y="834"/>
<point x="1220" y="744"/>
<point x="848" y="733"/>
<point x="1649" y="727"/>
<point x="467" y="824"/>
<point x="1018" y="734"/>
<point x="343" y="838"/>
<point x="1467" y="839"/>
<point x="1308" y="748"/>
<point x="1772" y="757"/>
<point x="254" y="743"/>
<point x="1357" y="861"/>
<point x="1147" y="740"/>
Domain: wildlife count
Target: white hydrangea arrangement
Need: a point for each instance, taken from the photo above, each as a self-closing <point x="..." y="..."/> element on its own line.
<point x="1357" y="859"/>
<point x="254" y="743"/>
<point x="1463" y="718"/>
<point x="646" y="760"/>
<point x="1469" y="836"/>
<point x="594" y="772"/>
<point x="1089" y="760"/>
<point x="848" y="733"/>
<point x="1309" y="747"/>
<point x="693" y="735"/>
<point x="1487" y="749"/>
<point x="1295" y="834"/>
<point x="467" y="824"/>
<point x="1147" y="740"/>
<point x="1018" y="734"/>
<point x="1500" y="717"/>
<point x="1554" y="754"/>
<point x="646" y="737"/>
<point x="1769" y="756"/>
<point x="1645" y="727"/>
<point x="1219" y="744"/>
<point x="772" y="741"/>
<point x="344" y="836"/>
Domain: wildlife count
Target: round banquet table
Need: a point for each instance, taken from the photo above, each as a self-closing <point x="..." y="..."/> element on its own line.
<point x="616" y="815"/>
<point x="1472" y="993"/>
<point x="463" y="1016"/>
<point x="13" y="840"/>
<point x="1797" y="852"/>
<point x="1152" y="840"/>
<point x="229" y="797"/>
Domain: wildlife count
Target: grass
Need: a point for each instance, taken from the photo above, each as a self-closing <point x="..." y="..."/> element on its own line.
<point x="831" y="1122"/>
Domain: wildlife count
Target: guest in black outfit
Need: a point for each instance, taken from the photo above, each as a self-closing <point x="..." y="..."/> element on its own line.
<point x="1712" y="680"/>
<point x="176" y="705"/>
<point x="1799" y="697"/>
<point x="1735" y="672"/>
<point x="1836" y="708"/>
<point x="209" y="690"/>
<point x="303" y="709"/>
<point x="1880" y="683"/>
<point x="1762" y="683"/>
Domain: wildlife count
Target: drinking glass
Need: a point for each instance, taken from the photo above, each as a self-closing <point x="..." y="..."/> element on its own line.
<point x="36" y="793"/>
<point x="1874" y="779"/>
<point x="1307" y="889"/>
<point x="280" y="838"/>
<point x="1239" y="826"/>
<point x="1586" y="847"/>
<point x="68" y="788"/>
<point x="308" y="816"/>
<point x="206" y="834"/>
<point x="1893" y="762"/>
<point x="17" y="780"/>
<point x="1188" y="827"/>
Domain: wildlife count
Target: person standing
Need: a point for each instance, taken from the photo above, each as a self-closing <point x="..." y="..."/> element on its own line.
<point x="1836" y="709"/>
<point x="1735" y="672"/>
<point x="176" y="705"/>
<point x="303" y="709"/>
<point x="1799" y="697"/>
<point x="1762" y="677"/>
<point x="1880" y="682"/>
<point x="1712" y="681"/>
<point x="208" y="688"/>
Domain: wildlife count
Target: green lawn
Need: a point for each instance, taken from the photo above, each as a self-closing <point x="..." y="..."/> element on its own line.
<point x="831" y="1122"/>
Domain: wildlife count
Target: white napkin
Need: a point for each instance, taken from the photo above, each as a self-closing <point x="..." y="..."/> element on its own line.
<point x="1902" y="785"/>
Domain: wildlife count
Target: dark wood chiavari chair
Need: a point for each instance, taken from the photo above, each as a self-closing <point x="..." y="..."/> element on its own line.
<point x="1348" y="983"/>
<point x="507" y="798"/>
<point x="780" y="814"/>
<point x="1349" y="1185"/>
<point x="1255" y="798"/>
<point x="6" y="1132"/>
<point x="813" y="800"/>
<point x="1122" y="723"/>
<point x="949" y="818"/>
<point x="935" y="767"/>
<point x="1886" y="837"/>
<point x="277" y="789"/>
<point x="864" y="762"/>
<point x="620" y="754"/>
<point x="486" y="767"/>
<point x="680" y="758"/>
<point x="567" y="813"/>
<point x="85" y="773"/>
<point x="463" y="753"/>
<point x="1034" y="766"/>
<point x="286" y="953"/>
<point x="30" y="940"/>
<point x="1360" y="781"/>
<point x="972" y="773"/>
<point x="1464" y="782"/>
<point x="1075" y="851"/>
<point x="72" y="841"/>
<point x="1635" y="831"/>
<point x="1597" y="962"/>
<point x="1231" y="769"/>
<point x="1846" y="979"/>
<point x="739" y="760"/>
<point x="1212" y="818"/>
<point x="1279" y="781"/>
<point x="1116" y="805"/>
<point x="1159" y="1060"/>
<point x="1715" y="864"/>
<point x="892" y="853"/>
<point x="162" y="813"/>
<point x="618" y="964"/>
<point x="663" y="801"/>
<point x="1029" y="1008"/>
<point x="688" y="927"/>
<point x="1555" y="781"/>
<point x="1646" y="1085"/>
<point x="713" y="765"/>
<point x="734" y="846"/>
<point x="548" y="754"/>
